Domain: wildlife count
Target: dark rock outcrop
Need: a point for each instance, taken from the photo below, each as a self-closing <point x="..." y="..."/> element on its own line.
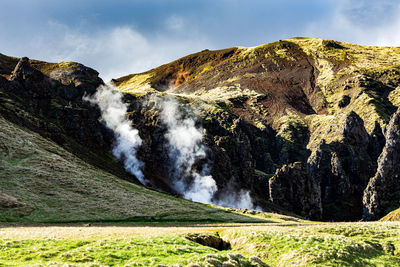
<point x="331" y="185"/>
<point x="342" y="170"/>
<point x="383" y="191"/>
<point x="292" y="189"/>
<point x="209" y="240"/>
<point x="234" y="149"/>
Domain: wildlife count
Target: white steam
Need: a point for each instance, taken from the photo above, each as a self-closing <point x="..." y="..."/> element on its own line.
<point x="233" y="199"/>
<point x="186" y="149"/>
<point x="113" y="114"/>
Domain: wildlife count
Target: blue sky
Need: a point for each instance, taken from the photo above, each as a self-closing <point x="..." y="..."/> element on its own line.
<point x="127" y="36"/>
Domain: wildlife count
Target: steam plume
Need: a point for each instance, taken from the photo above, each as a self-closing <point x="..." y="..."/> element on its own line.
<point x="234" y="198"/>
<point x="127" y="139"/>
<point x="186" y="149"/>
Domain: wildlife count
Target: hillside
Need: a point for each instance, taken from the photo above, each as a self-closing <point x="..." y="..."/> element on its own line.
<point x="300" y="75"/>
<point x="300" y="126"/>
<point x="392" y="216"/>
<point x="42" y="182"/>
<point x="316" y="109"/>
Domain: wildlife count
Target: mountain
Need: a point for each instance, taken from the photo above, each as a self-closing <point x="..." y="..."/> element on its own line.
<point x="305" y="126"/>
<point x="55" y="163"/>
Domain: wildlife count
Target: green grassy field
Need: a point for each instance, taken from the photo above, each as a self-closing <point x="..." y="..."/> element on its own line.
<point x="299" y="244"/>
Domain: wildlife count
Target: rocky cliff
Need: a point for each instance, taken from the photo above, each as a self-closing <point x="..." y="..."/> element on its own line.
<point x="382" y="194"/>
<point x="298" y="123"/>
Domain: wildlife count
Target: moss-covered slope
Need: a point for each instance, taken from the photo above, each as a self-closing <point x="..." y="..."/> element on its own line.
<point x="321" y="102"/>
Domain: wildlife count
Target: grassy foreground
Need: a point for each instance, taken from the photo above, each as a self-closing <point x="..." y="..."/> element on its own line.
<point x="325" y="244"/>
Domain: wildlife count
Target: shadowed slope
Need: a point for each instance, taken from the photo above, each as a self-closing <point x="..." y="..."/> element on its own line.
<point x="42" y="182"/>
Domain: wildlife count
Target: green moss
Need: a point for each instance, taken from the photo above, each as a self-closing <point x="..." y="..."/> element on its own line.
<point x="137" y="85"/>
<point x="259" y="124"/>
<point x="68" y="65"/>
<point x="324" y="127"/>
<point x="394" y="97"/>
<point x="205" y="69"/>
<point x="48" y="68"/>
<point x="288" y="125"/>
<point x="371" y="109"/>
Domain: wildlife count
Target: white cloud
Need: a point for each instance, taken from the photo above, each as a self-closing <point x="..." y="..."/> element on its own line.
<point x="361" y="22"/>
<point x="120" y="50"/>
<point x="114" y="52"/>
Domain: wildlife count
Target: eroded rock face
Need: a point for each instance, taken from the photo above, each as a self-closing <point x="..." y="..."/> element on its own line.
<point x="383" y="191"/>
<point x="343" y="169"/>
<point x="331" y="185"/>
<point x="24" y="71"/>
<point x="234" y="149"/>
<point x="291" y="188"/>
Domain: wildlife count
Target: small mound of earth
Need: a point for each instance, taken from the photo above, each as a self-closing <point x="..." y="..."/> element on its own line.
<point x="209" y="239"/>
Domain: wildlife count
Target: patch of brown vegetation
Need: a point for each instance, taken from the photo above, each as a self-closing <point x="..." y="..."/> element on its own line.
<point x="180" y="71"/>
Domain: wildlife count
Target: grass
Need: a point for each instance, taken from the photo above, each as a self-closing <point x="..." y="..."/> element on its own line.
<point x="394" y="96"/>
<point x="346" y="244"/>
<point x="325" y="244"/>
<point x="42" y="182"/>
<point x="135" y="250"/>
<point x="392" y="216"/>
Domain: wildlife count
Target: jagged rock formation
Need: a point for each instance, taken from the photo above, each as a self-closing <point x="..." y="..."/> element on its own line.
<point x="297" y="122"/>
<point x="331" y="185"/>
<point x="382" y="194"/>
<point x="343" y="170"/>
<point x="291" y="187"/>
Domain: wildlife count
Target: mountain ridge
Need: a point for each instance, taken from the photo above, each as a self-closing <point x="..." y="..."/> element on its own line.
<point x="339" y="83"/>
<point x="299" y="123"/>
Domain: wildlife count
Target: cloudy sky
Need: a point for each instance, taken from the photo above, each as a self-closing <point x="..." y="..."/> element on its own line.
<point x="118" y="37"/>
